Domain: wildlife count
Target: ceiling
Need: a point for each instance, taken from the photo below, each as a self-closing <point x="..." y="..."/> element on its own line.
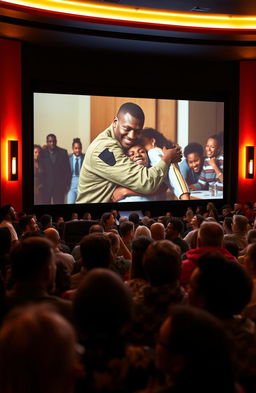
<point x="47" y="30"/>
<point x="239" y="7"/>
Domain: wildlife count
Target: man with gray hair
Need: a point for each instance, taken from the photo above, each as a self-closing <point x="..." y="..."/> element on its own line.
<point x="239" y="228"/>
<point x="210" y="238"/>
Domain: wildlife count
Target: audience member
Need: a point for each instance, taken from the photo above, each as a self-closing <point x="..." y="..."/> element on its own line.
<point x="232" y="247"/>
<point x="67" y="259"/>
<point x="120" y="265"/>
<point x="238" y="209"/>
<point x="224" y="288"/>
<point x="196" y="222"/>
<point x="33" y="271"/>
<point x="96" y="252"/>
<point x="134" y="217"/>
<point x="7" y="217"/>
<point x="5" y="247"/>
<point x="141" y="230"/>
<point x="163" y="220"/>
<point x="162" y="265"/>
<point x="239" y="228"/>
<point x="250" y="265"/>
<point x="126" y="231"/>
<point x="209" y="238"/>
<point x="107" y="221"/>
<point x="157" y="231"/>
<point x="174" y="231"/>
<point x="103" y="312"/>
<point x="211" y="211"/>
<point x="74" y="216"/>
<point x="138" y="277"/>
<point x="38" y="352"/>
<point x="227" y="211"/>
<point x="116" y="217"/>
<point x="227" y="225"/>
<point x="28" y="224"/>
<point x="194" y="353"/>
<point x="46" y="222"/>
<point x="87" y="216"/>
<point x="145" y="221"/>
<point x="95" y="228"/>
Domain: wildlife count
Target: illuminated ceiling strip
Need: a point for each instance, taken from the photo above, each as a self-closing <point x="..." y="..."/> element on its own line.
<point x="140" y="15"/>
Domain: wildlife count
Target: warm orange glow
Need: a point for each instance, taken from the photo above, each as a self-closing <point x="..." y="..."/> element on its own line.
<point x="14" y="165"/>
<point x="250" y="170"/>
<point x="138" y="15"/>
<point x="6" y="159"/>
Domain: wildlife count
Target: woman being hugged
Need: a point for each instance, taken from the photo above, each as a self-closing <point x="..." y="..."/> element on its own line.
<point x="154" y="143"/>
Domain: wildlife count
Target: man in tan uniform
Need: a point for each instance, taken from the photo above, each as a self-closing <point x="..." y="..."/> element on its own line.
<point x="106" y="165"/>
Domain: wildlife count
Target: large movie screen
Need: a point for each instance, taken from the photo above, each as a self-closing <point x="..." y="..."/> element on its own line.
<point x="95" y="149"/>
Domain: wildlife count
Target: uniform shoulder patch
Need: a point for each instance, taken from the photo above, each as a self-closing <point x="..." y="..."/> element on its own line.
<point x="107" y="157"/>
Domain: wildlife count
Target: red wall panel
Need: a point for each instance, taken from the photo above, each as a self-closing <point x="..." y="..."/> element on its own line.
<point x="10" y="118"/>
<point x="247" y="127"/>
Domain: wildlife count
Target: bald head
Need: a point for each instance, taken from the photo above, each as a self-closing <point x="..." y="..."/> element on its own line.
<point x="53" y="235"/>
<point x="210" y="234"/>
<point x="157" y="231"/>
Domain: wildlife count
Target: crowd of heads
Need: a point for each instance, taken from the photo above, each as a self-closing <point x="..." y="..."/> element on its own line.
<point x="130" y="285"/>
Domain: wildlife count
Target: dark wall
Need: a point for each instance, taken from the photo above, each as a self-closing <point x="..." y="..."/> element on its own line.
<point x="129" y="73"/>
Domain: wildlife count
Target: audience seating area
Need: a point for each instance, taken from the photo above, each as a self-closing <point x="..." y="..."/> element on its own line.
<point x="122" y="304"/>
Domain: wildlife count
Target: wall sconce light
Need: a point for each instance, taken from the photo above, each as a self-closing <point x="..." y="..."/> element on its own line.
<point x="249" y="173"/>
<point x="12" y="160"/>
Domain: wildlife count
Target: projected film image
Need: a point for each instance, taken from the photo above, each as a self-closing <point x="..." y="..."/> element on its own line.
<point x="95" y="149"/>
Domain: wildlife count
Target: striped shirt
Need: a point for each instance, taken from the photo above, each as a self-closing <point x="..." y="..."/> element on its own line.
<point x="208" y="175"/>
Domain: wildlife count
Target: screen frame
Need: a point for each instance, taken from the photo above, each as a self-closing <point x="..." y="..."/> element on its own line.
<point x="157" y="208"/>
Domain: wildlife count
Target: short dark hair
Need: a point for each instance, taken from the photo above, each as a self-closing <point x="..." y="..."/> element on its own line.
<point x="232" y="247"/>
<point x="161" y="140"/>
<point x="227" y="207"/>
<point x="132" y="108"/>
<point x="194" y="147"/>
<point x="29" y="257"/>
<point x="162" y="263"/>
<point x="4" y="210"/>
<point x="24" y="221"/>
<point x="200" y="219"/>
<point x="177" y="224"/>
<point x="201" y="341"/>
<point x="102" y="307"/>
<point x="228" y="221"/>
<point x="134" y="217"/>
<point x="105" y="216"/>
<point x="249" y="204"/>
<point x="139" y="246"/>
<point x="225" y="285"/>
<point x="51" y="136"/>
<point x="95" y="251"/>
<point x="126" y="227"/>
<point x="45" y="219"/>
<point x="218" y="138"/>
